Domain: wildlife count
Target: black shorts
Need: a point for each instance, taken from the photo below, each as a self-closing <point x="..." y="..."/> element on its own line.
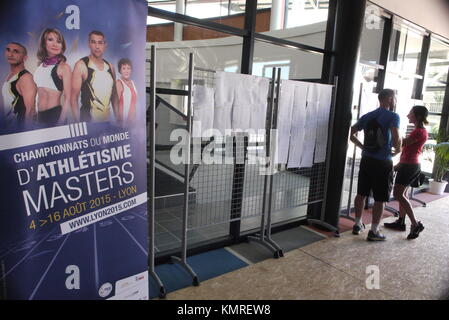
<point x="407" y="173"/>
<point x="50" y="117"/>
<point x="376" y="176"/>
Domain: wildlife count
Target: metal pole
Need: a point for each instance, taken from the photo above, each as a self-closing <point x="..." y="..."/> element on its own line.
<point x="269" y="126"/>
<point x="260" y="238"/>
<point x="151" y="136"/>
<point x="187" y="160"/>
<point x="354" y="154"/>
<point x="270" y="199"/>
<point x="183" y="260"/>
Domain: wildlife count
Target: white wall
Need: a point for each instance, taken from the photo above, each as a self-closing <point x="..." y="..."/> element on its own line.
<point x="430" y="14"/>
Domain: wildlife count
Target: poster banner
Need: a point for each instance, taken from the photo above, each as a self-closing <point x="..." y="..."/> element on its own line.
<point x="73" y="217"/>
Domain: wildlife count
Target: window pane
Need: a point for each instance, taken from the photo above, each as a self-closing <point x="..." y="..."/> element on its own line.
<point x="371" y="40"/>
<point x="368" y="101"/>
<point x="221" y="54"/>
<point x="212" y="184"/>
<point x="405" y="50"/>
<point x="166" y="32"/>
<point x="433" y="93"/>
<point x="294" y="63"/>
<point x="404" y="87"/>
<point x="214" y="8"/>
<point x="433" y="99"/>
<point x="428" y="155"/>
<point x="304" y="19"/>
<point x="167" y="5"/>
<point x="227" y="12"/>
<point x="437" y="64"/>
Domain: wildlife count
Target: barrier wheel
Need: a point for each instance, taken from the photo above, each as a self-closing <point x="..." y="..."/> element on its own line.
<point x="281" y="253"/>
<point x="195" y="282"/>
<point x="276" y="255"/>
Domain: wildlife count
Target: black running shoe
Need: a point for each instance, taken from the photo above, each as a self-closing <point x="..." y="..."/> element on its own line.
<point x="358" y="228"/>
<point x="415" y="230"/>
<point x="398" y="225"/>
<point x="375" y="236"/>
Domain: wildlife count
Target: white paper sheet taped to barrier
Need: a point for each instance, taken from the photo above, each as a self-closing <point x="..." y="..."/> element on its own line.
<point x="224" y="97"/>
<point x="323" y="112"/>
<point x="284" y="120"/>
<point x="298" y="126"/>
<point x="310" y="127"/>
<point x="240" y="101"/>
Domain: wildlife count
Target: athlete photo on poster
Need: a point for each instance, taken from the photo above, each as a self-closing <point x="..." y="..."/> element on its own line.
<point x="58" y="75"/>
<point x="73" y="220"/>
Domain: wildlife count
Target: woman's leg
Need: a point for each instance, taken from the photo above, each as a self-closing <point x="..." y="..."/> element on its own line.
<point x="404" y="203"/>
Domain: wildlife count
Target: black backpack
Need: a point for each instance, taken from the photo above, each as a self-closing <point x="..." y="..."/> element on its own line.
<point x="374" y="138"/>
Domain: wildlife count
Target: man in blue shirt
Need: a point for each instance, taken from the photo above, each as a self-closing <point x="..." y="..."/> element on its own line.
<point x="381" y="129"/>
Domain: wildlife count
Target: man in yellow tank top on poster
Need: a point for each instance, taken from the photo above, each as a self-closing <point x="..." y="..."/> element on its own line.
<point x="94" y="78"/>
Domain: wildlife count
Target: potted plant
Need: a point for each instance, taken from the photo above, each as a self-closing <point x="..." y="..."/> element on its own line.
<point x="441" y="161"/>
<point x="441" y="165"/>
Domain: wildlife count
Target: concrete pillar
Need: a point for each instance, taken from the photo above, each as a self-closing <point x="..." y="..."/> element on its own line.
<point x="348" y="30"/>
<point x="277" y="14"/>
<point x="180" y="8"/>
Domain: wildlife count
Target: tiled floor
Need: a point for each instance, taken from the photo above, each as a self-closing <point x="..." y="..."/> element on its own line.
<point x="336" y="268"/>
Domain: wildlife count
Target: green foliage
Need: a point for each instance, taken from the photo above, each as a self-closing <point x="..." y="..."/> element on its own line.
<point x="441" y="160"/>
<point x="441" y="149"/>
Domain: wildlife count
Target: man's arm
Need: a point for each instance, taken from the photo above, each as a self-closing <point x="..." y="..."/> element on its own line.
<point x="28" y="90"/>
<point x="77" y="79"/>
<point x="396" y="139"/>
<point x="353" y="137"/>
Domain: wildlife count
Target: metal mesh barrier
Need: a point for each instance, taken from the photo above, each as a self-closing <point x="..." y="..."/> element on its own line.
<point x="228" y="183"/>
<point x="213" y="191"/>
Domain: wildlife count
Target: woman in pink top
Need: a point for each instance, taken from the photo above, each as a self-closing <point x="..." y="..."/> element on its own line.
<point x="127" y="93"/>
<point x="408" y="170"/>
